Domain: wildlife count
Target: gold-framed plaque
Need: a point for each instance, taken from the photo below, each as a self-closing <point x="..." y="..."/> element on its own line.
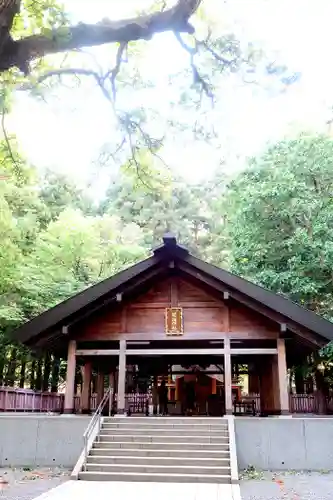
<point x="174" y="324"/>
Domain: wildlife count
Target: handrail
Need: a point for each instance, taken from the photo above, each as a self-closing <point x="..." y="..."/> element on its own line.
<point x="96" y="418"/>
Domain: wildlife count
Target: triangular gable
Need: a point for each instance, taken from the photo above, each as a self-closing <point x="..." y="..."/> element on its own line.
<point x="173" y="256"/>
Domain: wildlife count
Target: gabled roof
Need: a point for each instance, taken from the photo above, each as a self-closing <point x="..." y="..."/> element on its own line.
<point x="94" y="297"/>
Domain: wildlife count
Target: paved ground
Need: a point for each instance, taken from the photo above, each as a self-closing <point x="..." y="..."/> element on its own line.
<point x="288" y="486"/>
<point x="19" y="484"/>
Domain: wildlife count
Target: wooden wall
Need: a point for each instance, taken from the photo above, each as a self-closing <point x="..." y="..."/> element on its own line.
<point x="202" y="312"/>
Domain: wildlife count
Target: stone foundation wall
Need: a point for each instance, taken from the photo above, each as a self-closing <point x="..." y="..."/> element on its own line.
<point x="285" y="443"/>
<point x="31" y="440"/>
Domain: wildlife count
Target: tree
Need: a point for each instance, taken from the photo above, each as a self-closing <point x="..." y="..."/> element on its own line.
<point x="280" y="225"/>
<point x="58" y="193"/>
<point x="174" y="206"/>
<point x="58" y="37"/>
<point x="280" y="212"/>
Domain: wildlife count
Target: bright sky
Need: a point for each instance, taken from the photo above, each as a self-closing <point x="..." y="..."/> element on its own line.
<point x="68" y="131"/>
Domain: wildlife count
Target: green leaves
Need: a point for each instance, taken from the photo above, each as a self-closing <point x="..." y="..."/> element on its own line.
<point x="281" y="221"/>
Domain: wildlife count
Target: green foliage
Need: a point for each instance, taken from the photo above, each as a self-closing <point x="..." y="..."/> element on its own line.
<point x="177" y="207"/>
<point x="281" y="221"/>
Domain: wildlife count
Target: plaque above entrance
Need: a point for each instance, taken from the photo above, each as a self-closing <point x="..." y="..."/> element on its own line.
<point x="174" y="321"/>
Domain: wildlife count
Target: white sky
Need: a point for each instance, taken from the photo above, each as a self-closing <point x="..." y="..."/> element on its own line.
<point x="68" y="132"/>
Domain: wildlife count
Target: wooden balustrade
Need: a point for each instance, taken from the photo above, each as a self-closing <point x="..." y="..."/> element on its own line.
<point x="25" y="400"/>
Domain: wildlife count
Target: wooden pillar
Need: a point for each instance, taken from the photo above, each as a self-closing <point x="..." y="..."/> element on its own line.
<point x="70" y="377"/>
<point x="227" y="377"/>
<point x="253" y="383"/>
<point x="177" y="390"/>
<point x="100" y="387"/>
<point x="266" y="386"/>
<point x="274" y="397"/>
<point x="275" y="389"/>
<point x="86" y="389"/>
<point x="111" y="381"/>
<point x="155" y="395"/>
<point x="213" y="385"/>
<point x="283" y="376"/>
<point x="121" y="377"/>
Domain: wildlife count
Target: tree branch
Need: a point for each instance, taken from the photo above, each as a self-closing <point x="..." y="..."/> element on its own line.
<point x="76" y="71"/>
<point x="114" y="72"/>
<point x="197" y="78"/>
<point x="20" y="52"/>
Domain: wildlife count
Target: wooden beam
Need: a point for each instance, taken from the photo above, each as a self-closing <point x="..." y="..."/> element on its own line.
<point x="70" y="378"/>
<point x="121" y="377"/>
<point x="174" y="293"/>
<point x="173" y="352"/>
<point x="252" y="304"/>
<point x="200" y="335"/>
<point x="124" y="319"/>
<point x="97" y="352"/>
<point x="113" y="298"/>
<point x="86" y="389"/>
<point x="227" y="377"/>
<point x="181" y="303"/>
<point x="254" y="351"/>
<point x="283" y="376"/>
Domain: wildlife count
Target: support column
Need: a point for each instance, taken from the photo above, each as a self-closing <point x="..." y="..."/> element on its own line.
<point x="266" y="386"/>
<point x="121" y="377"/>
<point x="213" y="385"/>
<point x="111" y="381"/>
<point x="100" y="387"/>
<point x="177" y="389"/>
<point x="253" y="383"/>
<point x="283" y="376"/>
<point x="155" y="395"/>
<point x="227" y="377"/>
<point x="70" y="377"/>
<point x="86" y="392"/>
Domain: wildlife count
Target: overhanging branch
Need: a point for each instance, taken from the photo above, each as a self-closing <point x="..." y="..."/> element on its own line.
<point x="20" y="52"/>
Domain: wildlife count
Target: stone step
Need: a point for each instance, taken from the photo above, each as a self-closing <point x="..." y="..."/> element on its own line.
<point x="161" y="460"/>
<point x="132" y="424"/>
<point x="151" y="431"/>
<point x="148" y="445"/>
<point x="156" y="469"/>
<point x="154" y="477"/>
<point x="168" y="420"/>
<point x="160" y="452"/>
<point x="171" y="438"/>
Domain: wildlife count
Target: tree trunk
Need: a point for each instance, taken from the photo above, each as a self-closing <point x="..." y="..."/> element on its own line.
<point x="22" y="372"/>
<point x="32" y="375"/>
<point x="93" y="383"/>
<point x="2" y="370"/>
<point x="299" y="382"/>
<point x="47" y="372"/>
<point x="290" y="382"/>
<point x="55" y="374"/>
<point x="321" y="393"/>
<point x="39" y="374"/>
<point x="10" y="375"/>
<point x="309" y="385"/>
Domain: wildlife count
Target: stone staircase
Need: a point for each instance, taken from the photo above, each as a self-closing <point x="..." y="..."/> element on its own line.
<point x="160" y="449"/>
